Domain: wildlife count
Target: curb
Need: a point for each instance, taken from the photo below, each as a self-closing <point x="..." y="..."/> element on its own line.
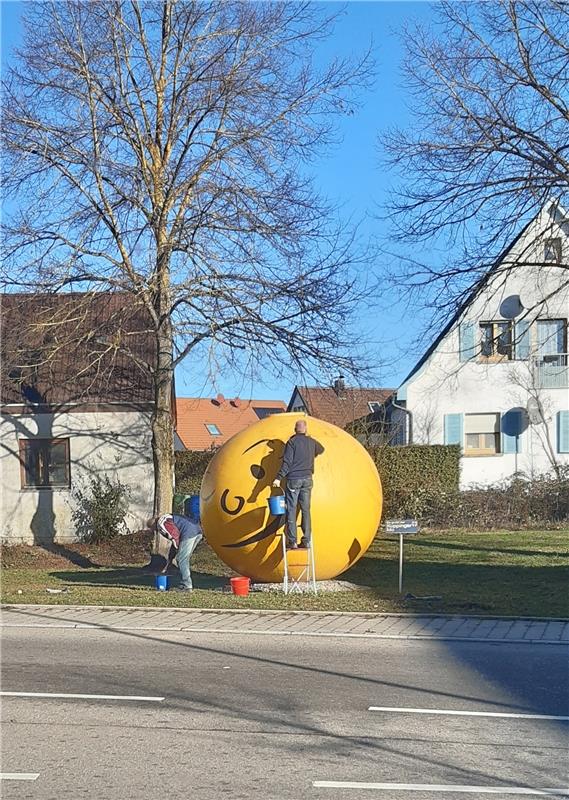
<point x="190" y="620"/>
<point x="265" y="611"/>
<point x="251" y="631"/>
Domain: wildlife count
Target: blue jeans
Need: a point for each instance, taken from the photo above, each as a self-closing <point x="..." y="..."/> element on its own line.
<point x="187" y="547"/>
<point x="297" y="492"/>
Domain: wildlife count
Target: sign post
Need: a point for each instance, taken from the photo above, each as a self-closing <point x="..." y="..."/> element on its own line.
<point x="403" y="527"/>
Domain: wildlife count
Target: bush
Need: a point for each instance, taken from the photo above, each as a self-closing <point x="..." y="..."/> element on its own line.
<point x="541" y="502"/>
<point x="101" y="505"/>
<point x="417" y="477"/>
<point x="190" y="467"/>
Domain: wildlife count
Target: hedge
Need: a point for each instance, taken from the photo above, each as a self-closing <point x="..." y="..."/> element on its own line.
<point x="423" y="481"/>
<point x="412" y="477"/>
<point x="190" y="467"/>
<point x="415" y="477"/>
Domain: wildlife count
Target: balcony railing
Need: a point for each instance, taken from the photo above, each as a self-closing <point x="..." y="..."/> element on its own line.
<point x="552" y="371"/>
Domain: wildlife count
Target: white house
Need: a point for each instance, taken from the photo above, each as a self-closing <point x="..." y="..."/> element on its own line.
<point x="74" y="404"/>
<point x="495" y="381"/>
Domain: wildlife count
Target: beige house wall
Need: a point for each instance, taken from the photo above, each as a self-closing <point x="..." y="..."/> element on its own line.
<point x="114" y="443"/>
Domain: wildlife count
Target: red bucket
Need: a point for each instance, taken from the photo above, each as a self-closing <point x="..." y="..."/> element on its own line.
<point x="240" y="586"/>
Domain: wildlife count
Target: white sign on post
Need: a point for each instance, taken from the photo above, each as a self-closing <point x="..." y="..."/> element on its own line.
<point x="402" y="527"/>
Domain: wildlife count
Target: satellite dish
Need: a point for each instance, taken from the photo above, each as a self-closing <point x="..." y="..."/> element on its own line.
<point x="515" y="421"/>
<point x="534" y="411"/>
<point x="511" y="307"/>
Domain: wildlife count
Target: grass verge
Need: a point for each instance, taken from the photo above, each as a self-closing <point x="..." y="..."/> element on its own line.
<point x="503" y="573"/>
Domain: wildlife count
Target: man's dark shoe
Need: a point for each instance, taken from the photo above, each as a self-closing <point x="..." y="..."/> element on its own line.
<point x="304" y="545"/>
<point x="290" y="546"/>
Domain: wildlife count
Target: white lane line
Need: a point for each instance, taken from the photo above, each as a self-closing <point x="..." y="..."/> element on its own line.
<point x="429" y="787"/>
<point x="452" y="713"/>
<point x="19" y="776"/>
<point x="82" y="696"/>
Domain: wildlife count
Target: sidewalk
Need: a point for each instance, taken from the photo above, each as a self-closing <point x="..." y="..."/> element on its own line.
<point x="289" y="623"/>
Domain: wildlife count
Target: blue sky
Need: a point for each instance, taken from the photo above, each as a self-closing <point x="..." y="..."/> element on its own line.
<point x="351" y="175"/>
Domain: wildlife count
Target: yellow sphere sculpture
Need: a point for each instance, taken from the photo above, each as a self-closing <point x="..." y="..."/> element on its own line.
<point x="345" y="508"/>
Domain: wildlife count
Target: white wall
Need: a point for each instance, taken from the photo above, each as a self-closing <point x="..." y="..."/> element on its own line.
<point x="116" y="443"/>
<point x="445" y="385"/>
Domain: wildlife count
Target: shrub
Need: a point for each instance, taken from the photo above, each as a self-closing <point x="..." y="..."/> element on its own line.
<point x="190" y="467"/>
<point x="517" y="503"/>
<point x="101" y="505"/>
<point x="417" y="477"/>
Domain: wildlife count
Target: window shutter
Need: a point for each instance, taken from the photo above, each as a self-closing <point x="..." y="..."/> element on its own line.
<point x="453" y="429"/>
<point x="511" y="427"/>
<point x="466" y="340"/>
<point x="521" y="340"/>
<point x="563" y="431"/>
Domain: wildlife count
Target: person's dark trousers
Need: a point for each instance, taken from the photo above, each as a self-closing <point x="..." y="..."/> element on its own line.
<point x="297" y="493"/>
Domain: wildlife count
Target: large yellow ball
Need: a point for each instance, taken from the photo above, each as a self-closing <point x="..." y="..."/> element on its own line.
<point x="345" y="508"/>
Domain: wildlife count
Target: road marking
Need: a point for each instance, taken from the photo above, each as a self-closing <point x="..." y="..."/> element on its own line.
<point x="429" y="787"/>
<point x="82" y="696"/>
<point x="19" y="776"/>
<point x="453" y="713"/>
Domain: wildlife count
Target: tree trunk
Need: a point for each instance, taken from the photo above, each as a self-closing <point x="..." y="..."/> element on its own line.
<point x="163" y="441"/>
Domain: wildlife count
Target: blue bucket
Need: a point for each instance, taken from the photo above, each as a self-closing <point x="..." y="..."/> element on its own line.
<point x="277" y="505"/>
<point x="162" y="582"/>
<point x="192" y="506"/>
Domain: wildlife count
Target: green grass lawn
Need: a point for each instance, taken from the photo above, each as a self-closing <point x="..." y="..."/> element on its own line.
<point x="510" y="573"/>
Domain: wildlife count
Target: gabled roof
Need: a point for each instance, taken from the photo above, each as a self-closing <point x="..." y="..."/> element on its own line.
<point x="340" y="406"/>
<point x="474" y="292"/>
<point x="228" y="416"/>
<point x="75" y="348"/>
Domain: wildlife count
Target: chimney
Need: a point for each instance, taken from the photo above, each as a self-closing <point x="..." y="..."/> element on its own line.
<point x="339" y="385"/>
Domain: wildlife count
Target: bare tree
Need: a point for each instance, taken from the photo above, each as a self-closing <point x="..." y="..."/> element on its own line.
<point x="161" y="149"/>
<point x="488" y="145"/>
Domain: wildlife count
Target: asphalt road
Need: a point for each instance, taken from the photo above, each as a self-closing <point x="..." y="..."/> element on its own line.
<point x="269" y="717"/>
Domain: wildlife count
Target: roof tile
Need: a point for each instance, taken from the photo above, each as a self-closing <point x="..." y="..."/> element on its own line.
<point x="75" y="347"/>
<point x="341" y="407"/>
<point x="230" y="417"/>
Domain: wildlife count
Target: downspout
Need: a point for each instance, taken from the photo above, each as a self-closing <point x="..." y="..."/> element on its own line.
<point x="409" y="415"/>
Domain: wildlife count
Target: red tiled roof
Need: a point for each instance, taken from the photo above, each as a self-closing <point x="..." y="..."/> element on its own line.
<point x="229" y="416"/>
<point x="340" y="407"/>
<point x="75" y="347"/>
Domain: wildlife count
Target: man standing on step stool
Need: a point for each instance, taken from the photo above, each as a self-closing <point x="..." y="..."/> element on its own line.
<point x="298" y="469"/>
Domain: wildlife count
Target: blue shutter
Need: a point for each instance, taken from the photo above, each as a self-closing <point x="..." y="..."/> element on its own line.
<point x="467" y="341"/>
<point x="453" y="429"/>
<point x="511" y="426"/>
<point x="563" y="431"/>
<point x="521" y="334"/>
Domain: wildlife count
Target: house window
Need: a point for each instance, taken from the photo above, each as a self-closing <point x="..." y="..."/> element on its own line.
<point x="44" y="463"/>
<point x="552" y="251"/>
<point x="551" y="337"/>
<point x="496" y="344"/>
<point x="482" y="434"/>
<point x="298" y="409"/>
<point x="212" y="429"/>
<point x="375" y="406"/>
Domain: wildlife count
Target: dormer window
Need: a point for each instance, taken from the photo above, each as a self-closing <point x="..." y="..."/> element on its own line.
<point x="552" y="251"/>
<point x="375" y="406"/>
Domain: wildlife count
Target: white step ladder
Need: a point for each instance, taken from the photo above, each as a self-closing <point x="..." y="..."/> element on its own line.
<point x="307" y="574"/>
